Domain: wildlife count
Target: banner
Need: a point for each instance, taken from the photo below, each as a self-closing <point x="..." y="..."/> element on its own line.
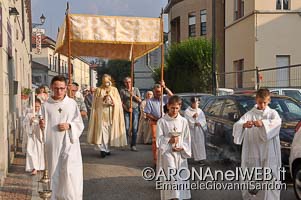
<point x="38" y="42"/>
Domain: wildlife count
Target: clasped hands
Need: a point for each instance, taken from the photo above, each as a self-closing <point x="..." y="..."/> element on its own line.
<point x="61" y="126"/>
<point x="175" y="140"/>
<point x="250" y="124"/>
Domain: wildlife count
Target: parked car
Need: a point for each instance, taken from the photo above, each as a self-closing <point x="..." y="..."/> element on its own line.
<point x="223" y="111"/>
<point x="186" y="99"/>
<point x="294" y="93"/>
<point x="224" y="91"/>
<point x="295" y="161"/>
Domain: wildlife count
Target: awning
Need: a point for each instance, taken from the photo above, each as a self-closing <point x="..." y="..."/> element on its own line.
<point x="111" y="37"/>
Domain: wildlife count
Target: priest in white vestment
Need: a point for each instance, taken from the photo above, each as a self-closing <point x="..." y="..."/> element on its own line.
<point x="106" y="125"/>
<point x="174" y="147"/>
<point x="63" y="126"/>
<point x="258" y="132"/>
<point x="197" y="126"/>
<point x="35" y="144"/>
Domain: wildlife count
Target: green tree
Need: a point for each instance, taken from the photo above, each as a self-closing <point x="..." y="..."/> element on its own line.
<point x="118" y="69"/>
<point x="188" y="66"/>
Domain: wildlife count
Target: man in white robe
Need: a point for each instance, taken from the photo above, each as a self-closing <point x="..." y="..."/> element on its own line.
<point x="258" y="132"/>
<point x="63" y="126"/>
<point x="197" y="125"/>
<point x="35" y="145"/>
<point x="173" y="150"/>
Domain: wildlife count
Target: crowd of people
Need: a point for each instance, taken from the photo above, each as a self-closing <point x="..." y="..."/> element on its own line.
<point x="120" y="118"/>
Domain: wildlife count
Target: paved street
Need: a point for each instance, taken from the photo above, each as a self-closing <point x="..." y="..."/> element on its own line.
<point x="115" y="177"/>
<point x="119" y="176"/>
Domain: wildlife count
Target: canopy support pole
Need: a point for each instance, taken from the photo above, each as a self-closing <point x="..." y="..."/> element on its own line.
<point x="162" y="61"/>
<point x="131" y="94"/>
<point x="69" y="48"/>
<point x="131" y="97"/>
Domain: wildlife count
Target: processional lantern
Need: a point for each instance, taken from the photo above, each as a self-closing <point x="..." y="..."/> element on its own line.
<point x="44" y="183"/>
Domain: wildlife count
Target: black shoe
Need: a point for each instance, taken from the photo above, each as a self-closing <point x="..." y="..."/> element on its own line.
<point x="201" y="163"/>
<point x="102" y="154"/>
<point x="108" y="153"/>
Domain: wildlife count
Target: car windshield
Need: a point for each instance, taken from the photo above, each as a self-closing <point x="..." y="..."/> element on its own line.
<point x="186" y="101"/>
<point x="293" y="93"/>
<point x="246" y="104"/>
<point x="286" y="108"/>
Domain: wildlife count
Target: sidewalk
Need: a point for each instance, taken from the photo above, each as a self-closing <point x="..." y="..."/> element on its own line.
<point x="18" y="185"/>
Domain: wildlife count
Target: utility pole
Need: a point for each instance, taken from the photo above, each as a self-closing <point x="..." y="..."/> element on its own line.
<point x="213" y="46"/>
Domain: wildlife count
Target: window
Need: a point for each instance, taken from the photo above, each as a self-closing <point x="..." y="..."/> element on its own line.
<point x="238" y="9"/>
<point x="293" y="108"/>
<point x="175" y="30"/>
<point x="282" y="4"/>
<point x="55" y="64"/>
<point x="275" y="92"/>
<point x="203" y="22"/>
<point x="50" y="62"/>
<point x="61" y="67"/>
<point x="239" y="67"/>
<point x="66" y="70"/>
<point x="37" y="79"/>
<point x="215" y="108"/>
<point x="293" y="93"/>
<point x="191" y="25"/>
<point x="283" y="74"/>
<point x="230" y="110"/>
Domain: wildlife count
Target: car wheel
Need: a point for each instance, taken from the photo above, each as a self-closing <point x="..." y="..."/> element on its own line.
<point x="297" y="181"/>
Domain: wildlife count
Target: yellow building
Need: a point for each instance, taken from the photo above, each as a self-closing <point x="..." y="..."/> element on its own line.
<point x="81" y="72"/>
<point x="47" y="64"/>
<point x="15" y="73"/>
<point x="263" y="34"/>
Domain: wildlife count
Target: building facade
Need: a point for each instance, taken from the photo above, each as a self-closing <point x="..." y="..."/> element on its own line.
<point x="193" y="18"/>
<point x="47" y="64"/>
<point x="263" y="34"/>
<point x="144" y="68"/>
<point x="15" y="74"/>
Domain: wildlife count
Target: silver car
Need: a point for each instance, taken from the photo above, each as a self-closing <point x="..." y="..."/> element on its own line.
<point x="295" y="161"/>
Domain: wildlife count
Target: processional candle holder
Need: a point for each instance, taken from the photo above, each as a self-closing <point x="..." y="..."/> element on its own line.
<point x="44" y="182"/>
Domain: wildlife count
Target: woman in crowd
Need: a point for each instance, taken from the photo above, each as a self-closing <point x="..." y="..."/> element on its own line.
<point x="144" y="130"/>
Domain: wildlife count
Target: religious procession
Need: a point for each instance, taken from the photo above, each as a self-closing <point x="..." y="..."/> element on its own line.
<point x="138" y="105"/>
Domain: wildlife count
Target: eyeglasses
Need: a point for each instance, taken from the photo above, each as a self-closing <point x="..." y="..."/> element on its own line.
<point x="61" y="88"/>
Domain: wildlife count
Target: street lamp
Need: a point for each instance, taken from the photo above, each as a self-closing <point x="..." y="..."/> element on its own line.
<point x="42" y="19"/>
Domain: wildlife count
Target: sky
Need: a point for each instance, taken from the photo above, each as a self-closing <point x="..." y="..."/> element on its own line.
<point x="54" y="10"/>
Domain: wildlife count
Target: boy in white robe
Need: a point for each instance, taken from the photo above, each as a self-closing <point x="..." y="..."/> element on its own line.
<point x="35" y="145"/>
<point x="258" y="132"/>
<point x="174" y="147"/>
<point x="63" y="126"/>
<point x="197" y="126"/>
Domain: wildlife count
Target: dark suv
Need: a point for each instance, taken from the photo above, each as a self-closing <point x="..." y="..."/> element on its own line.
<point x="223" y="111"/>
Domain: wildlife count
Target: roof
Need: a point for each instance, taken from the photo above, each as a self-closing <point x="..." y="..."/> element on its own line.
<point x="45" y="40"/>
<point x="170" y="4"/>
